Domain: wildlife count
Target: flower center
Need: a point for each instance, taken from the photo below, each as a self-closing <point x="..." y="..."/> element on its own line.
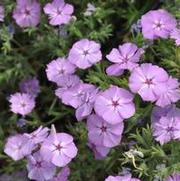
<point x="38" y="164"/>
<point x="23" y="104"/>
<point x="159" y="25"/>
<point x="59" y="12"/>
<point x="103" y="128"/>
<point x="58" y="147"/>
<point x="170" y="129"/>
<point x="149" y="81"/>
<point x="61" y="71"/>
<point x="125" y="59"/>
<point x="85" y="52"/>
<point x="27" y="12"/>
<point x="115" y="103"/>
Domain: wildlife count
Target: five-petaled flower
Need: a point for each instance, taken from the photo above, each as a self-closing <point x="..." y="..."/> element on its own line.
<point x="157" y="24"/>
<point x="59" y="12"/>
<point x="115" y="104"/>
<point x="58" y="148"/>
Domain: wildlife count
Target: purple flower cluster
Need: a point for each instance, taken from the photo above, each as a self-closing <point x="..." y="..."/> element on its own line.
<point x="121" y="178"/>
<point x="111" y="106"/>
<point x="154" y="24"/>
<point x="71" y="90"/>
<point x="106" y="110"/>
<point x="166" y="124"/>
<point x="23" y="102"/>
<point x="27" y="13"/>
<point x="44" y="150"/>
<point x="159" y="24"/>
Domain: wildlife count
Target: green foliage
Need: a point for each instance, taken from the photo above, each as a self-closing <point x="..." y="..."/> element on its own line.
<point x="25" y="52"/>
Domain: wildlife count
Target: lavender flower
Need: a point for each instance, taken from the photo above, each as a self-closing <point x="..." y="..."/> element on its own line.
<point x="39" y="169"/>
<point x="58" y="148"/>
<point x="174" y="177"/>
<point x="27" y="13"/>
<point x="85" y="53"/>
<point x="35" y="138"/>
<point x="167" y="127"/>
<point x="30" y="86"/>
<point x="1" y="13"/>
<point x="81" y="97"/>
<point x="159" y="112"/>
<point x="157" y="24"/>
<point x="102" y="133"/>
<point x="125" y="57"/>
<point x="56" y="69"/>
<point x="21" y="103"/>
<point x="14" y="147"/>
<point x="114" y="105"/>
<point x="66" y="83"/>
<point x="59" y="12"/>
<point x="175" y="34"/>
<point x="168" y="92"/>
<point x="146" y="80"/>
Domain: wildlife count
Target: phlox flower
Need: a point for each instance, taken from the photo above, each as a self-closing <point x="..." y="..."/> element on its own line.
<point x="168" y="93"/>
<point x="14" y="147"/>
<point x="167" y="126"/>
<point x="65" y="83"/>
<point x="30" y="86"/>
<point x="81" y="97"/>
<point x="21" y="103"/>
<point x="85" y="53"/>
<point x="39" y="169"/>
<point x="102" y="133"/>
<point x="57" y="69"/>
<point x="27" y="13"/>
<point x="114" y="105"/>
<point x="125" y="57"/>
<point x="35" y="138"/>
<point x="58" y="148"/>
<point x="59" y="12"/>
<point x="159" y="112"/>
<point x="157" y="24"/>
<point x="146" y="80"/>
